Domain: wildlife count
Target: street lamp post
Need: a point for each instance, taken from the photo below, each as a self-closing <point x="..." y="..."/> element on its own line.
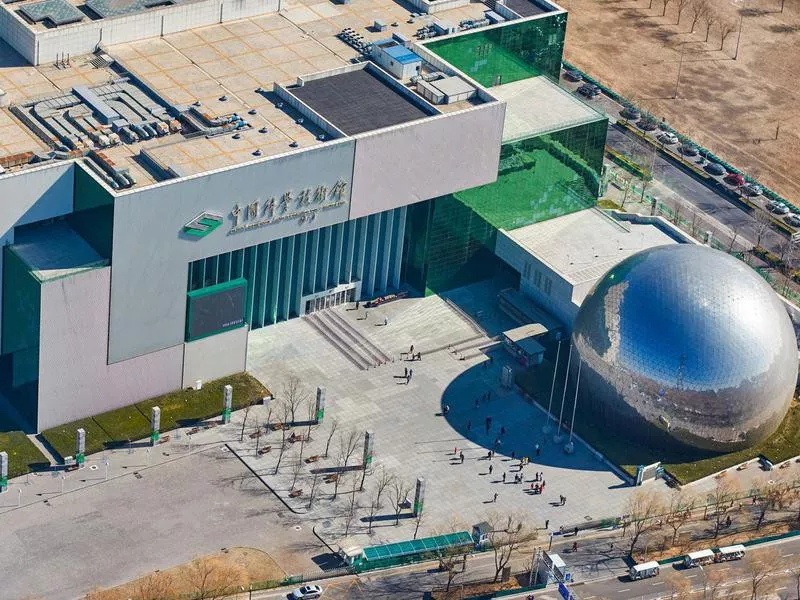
<point x="557" y="437"/>
<point x="570" y="446"/>
<point x="547" y="428"/>
<point x="739" y="36"/>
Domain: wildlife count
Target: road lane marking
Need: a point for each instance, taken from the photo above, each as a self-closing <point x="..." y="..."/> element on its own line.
<point x="625" y="590"/>
<point x="780" y="588"/>
<point x="690" y="576"/>
<point x="788" y="555"/>
<point x="659" y="583"/>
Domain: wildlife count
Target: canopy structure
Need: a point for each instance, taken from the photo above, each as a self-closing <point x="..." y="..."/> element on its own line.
<point x="431" y="544"/>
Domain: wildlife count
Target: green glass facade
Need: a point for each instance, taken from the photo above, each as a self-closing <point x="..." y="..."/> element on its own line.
<point x="281" y="272"/>
<point x="508" y="53"/>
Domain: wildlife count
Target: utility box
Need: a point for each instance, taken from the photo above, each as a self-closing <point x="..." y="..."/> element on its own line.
<point x="396" y="58"/>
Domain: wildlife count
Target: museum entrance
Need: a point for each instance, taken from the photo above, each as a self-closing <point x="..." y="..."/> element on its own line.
<point x="335" y="298"/>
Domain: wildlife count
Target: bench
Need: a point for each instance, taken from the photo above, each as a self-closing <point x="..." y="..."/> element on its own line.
<point x="296" y="438"/>
<point x="164" y="439"/>
<point x="295" y="493"/>
<point x="331" y="478"/>
<point x="312" y="459"/>
<point x="255" y="434"/>
<point x="194" y="430"/>
<point x="265" y="449"/>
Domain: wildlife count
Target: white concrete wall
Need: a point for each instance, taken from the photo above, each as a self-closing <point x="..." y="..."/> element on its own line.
<point x="82" y="38"/>
<point x="558" y="301"/>
<point x="427" y="158"/>
<point x="30" y="196"/>
<point x="74" y="379"/>
<point x="214" y="357"/>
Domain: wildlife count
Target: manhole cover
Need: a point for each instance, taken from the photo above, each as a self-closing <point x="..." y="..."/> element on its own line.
<point x="93" y="468"/>
<point x="224" y="449"/>
<point x="326" y="523"/>
<point x="297" y="528"/>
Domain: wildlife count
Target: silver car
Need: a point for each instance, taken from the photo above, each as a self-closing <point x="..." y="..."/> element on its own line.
<point x="667" y="138"/>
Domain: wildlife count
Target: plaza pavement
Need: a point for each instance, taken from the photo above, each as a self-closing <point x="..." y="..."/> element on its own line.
<point x="412" y="438"/>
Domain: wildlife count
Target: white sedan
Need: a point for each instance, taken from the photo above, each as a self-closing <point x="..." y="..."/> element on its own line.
<point x="306" y="592"/>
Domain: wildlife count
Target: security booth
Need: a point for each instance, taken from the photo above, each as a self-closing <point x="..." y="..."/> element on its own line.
<point x="480" y="534"/>
<point x="699" y="558"/>
<point x="522" y="344"/>
<point x="727" y="553"/>
<point x="644" y="570"/>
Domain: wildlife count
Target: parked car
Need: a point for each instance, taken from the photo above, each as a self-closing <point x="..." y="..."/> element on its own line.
<point x="689" y="150"/>
<point x="715" y="168"/>
<point x="306" y="592"/>
<point x="631" y="113"/>
<point x="734" y="179"/>
<point x="793" y="220"/>
<point x="777" y="207"/>
<point x="752" y="189"/>
<point x="572" y="75"/>
<point x="589" y="90"/>
<point x="667" y="138"/>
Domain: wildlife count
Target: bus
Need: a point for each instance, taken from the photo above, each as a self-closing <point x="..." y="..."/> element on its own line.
<point x="644" y="570"/>
<point x="701" y="557"/>
<point x="727" y="553"/>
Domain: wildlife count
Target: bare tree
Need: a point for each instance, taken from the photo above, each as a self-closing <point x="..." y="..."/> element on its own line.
<point x="294" y="395"/>
<point x="153" y="586"/>
<point x="761" y="565"/>
<point x="418" y="518"/>
<point x="762" y="224"/>
<point x="735" y="231"/>
<point x="683" y="5"/>
<point x="400" y="490"/>
<point x="209" y="579"/>
<point x="352" y="504"/>
<point x="726" y="28"/>
<point x="698" y="11"/>
<point x="331" y="433"/>
<point x="285" y="413"/>
<point x="506" y="538"/>
<point x="711" y="18"/>
<point x="297" y="467"/>
<point x="722" y="499"/>
<point x="382" y="480"/>
<point x="642" y="508"/>
<point x="679" y="510"/>
<point x="347" y="446"/>
<point x="313" y="490"/>
<point x="244" y="420"/>
<point x="666" y="4"/>
<point x="311" y="418"/>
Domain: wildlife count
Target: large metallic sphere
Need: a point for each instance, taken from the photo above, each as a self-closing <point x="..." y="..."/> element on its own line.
<point x="687" y="346"/>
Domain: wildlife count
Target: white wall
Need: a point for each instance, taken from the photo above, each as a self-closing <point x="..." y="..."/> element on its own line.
<point x="216" y="356"/>
<point x="74" y="379"/>
<point x="427" y="158"/>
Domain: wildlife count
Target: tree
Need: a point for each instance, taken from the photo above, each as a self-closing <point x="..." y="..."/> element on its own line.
<point x="682" y="5"/>
<point x="285" y="413"/>
<point x="297" y="467"/>
<point x="666" y="4"/>
<point x="418" y="521"/>
<point x="210" y="579"/>
<point x="726" y="28"/>
<point x="352" y="505"/>
<point x="506" y="538"/>
<point x="153" y="586"/>
<point x="762" y="224"/>
<point x="759" y="568"/>
<point x="347" y="446"/>
<point x="711" y="18"/>
<point x="244" y="420"/>
<point x="679" y="510"/>
<point x="382" y="480"/>
<point x="722" y="499"/>
<point x="313" y="489"/>
<point x="642" y="508"/>
<point x="698" y="10"/>
<point x="294" y="395"/>
<point x="400" y="490"/>
<point x="331" y="433"/>
<point x="735" y="231"/>
<point x="311" y="418"/>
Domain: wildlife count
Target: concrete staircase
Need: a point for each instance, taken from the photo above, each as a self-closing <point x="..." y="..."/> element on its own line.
<point x="354" y="346"/>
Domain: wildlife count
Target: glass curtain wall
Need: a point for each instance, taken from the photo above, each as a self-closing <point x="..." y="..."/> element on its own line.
<point x="509" y="53"/>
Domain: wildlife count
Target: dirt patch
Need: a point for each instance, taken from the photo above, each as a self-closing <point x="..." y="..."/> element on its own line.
<point x="230" y="569"/>
<point x="732" y="107"/>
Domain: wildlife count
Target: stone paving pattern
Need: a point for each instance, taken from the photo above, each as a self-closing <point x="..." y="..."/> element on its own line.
<point x="412" y="439"/>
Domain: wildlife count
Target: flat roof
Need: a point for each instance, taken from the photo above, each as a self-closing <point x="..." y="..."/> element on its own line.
<point x="452" y="86"/>
<point x="58" y="12"/>
<point x="402" y="54"/>
<point x="358" y="101"/>
<point x="529" y="8"/>
<point x="55" y="250"/>
<point x="582" y="246"/>
<point x="537" y="105"/>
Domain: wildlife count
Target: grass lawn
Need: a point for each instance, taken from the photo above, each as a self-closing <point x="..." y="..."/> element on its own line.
<point x="23" y="456"/>
<point x="626" y="454"/>
<point x="178" y="409"/>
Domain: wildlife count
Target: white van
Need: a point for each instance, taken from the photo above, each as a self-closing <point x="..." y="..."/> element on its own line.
<point x="695" y="559"/>
<point x="727" y="553"/>
<point x="644" y="570"/>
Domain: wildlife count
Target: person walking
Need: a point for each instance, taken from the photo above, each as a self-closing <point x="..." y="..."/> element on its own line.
<point x="411" y="351"/>
<point x="504" y="476"/>
<point x="410" y="374"/>
<point x="563" y="500"/>
<point x="547" y="523"/>
<point x="491" y="468"/>
<point x="405" y="372"/>
<point x="542" y="485"/>
<point x="461" y="456"/>
<point x="495" y="497"/>
<point x="575" y="533"/>
<point x="455" y="450"/>
<point x="574" y="546"/>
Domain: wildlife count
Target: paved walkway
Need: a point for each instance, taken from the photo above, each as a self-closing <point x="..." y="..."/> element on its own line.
<point x="413" y="439"/>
